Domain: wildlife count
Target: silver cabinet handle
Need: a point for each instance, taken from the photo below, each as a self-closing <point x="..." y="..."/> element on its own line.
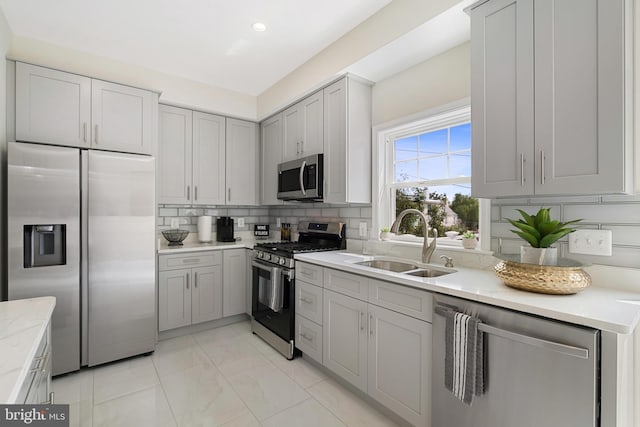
<point x="195" y="192"/>
<point x="45" y="364"/>
<point x="306" y="337"/>
<point x="50" y="401"/>
<point x="360" y="322"/>
<point x="306" y="300"/>
<point x="188" y="192"/>
<point x="569" y="350"/>
<point x="542" y="167"/>
<point x="195" y="281"/>
<point x="229" y="194"/>
<point x="522" y="170"/>
<point x="371" y="324"/>
<point x="187" y="281"/>
<point x="84" y="131"/>
<point x="298" y="147"/>
<point x="301" y="147"/>
<point x="96" y="134"/>
<point x="304" y="165"/>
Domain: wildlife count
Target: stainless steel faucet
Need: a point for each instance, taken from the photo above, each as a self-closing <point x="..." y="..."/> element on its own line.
<point x="427" y="250"/>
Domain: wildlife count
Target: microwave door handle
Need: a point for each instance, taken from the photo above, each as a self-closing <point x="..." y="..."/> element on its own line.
<point x="304" y="164"/>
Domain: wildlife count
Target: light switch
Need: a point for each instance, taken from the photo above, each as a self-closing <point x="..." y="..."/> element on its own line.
<point x="363" y="229"/>
<point x="240" y="222"/>
<point x="175" y="223"/>
<point x="591" y="242"/>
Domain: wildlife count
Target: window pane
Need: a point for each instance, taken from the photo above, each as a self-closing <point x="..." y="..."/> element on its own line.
<point x="460" y="165"/>
<point x="406" y="148"/>
<point x="434" y="142"/>
<point x="406" y="171"/>
<point x="460" y="137"/>
<point x="433" y="168"/>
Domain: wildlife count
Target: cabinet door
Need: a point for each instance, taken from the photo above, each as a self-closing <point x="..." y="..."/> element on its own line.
<point x="580" y="96"/>
<point x="312" y="127"/>
<point x="174" y="155"/>
<point x="123" y="118"/>
<point x="400" y="364"/>
<point x="344" y="338"/>
<point x="292" y="132"/>
<point x="234" y="283"/>
<point x="52" y="106"/>
<point x="248" y="281"/>
<point x="502" y="98"/>
<point x="174" y="299"/>
<point x="271" y="147"/>
<point x="242" y="165"/>
<point x="208" y="159"/>
<point x="206" y="294"/>
<point x="335" y="131"/>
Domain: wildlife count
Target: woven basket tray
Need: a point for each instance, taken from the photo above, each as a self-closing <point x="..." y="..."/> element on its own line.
<point x="543" y="278"/>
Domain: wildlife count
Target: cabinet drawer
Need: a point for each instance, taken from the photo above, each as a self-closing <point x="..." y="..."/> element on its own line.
<point x="309" y="338"/>
<point x="412" y="302"/>
<point x="309" y="301"/>
<point x="199" y="259"/>
<point x="346" y="283"/>
<point x="309" y="273"/>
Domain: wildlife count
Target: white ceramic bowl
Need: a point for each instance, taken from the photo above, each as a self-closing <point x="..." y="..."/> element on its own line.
<point x="451" y="234"/>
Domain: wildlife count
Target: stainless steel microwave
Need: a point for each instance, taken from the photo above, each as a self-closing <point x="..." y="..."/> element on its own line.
<point x="301" y="179"/>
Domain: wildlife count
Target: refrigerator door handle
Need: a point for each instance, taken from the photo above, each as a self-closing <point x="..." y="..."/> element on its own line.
<point x="84" y="257"/>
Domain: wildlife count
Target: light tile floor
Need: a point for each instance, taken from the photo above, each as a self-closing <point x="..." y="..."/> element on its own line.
<point x="221" y="377"/>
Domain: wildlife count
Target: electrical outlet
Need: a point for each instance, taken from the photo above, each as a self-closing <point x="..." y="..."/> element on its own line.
<point x="240" y="222"/>
<point x="175" y="223"/>
<point x="591" y="242"/>
<point x="278" y="222"/>
<point x="362" y="230"/>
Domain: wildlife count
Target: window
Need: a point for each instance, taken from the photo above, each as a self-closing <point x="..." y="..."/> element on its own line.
<point x="427" y="166"/>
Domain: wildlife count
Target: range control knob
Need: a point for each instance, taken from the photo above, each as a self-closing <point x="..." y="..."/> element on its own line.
<point x="267" y="257"/>
<point x="282" y="261"/>
<point x="260" y="255"/>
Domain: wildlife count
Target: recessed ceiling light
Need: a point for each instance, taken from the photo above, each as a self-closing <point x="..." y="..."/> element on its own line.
<point x="259" y="27"/>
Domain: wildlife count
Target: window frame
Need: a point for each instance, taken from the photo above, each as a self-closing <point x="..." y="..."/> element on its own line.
<point x="383" y="205"/>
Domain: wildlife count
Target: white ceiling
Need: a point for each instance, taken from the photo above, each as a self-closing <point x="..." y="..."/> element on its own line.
<point x="209" y="41"/>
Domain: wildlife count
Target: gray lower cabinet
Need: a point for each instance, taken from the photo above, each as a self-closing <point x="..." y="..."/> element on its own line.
<point x="374" y="334"/>
<point x="189" y="295"/>
<point x="36" y="388"/>
<point x="234" y="282"/>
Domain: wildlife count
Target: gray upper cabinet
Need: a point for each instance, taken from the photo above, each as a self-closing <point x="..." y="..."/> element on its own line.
<point x="303" y="127"/>
<point x="347" y="142"/>
<point x="551" y="97"/>
<point x="174" y="155"/>
<point x="208" y="159"/>
<point x="52" y="106"/>
<point x="61" y="108"/>
<point x="242" y="165"/>
<point x="123" y="118"/>
<point x="271" y="134"/>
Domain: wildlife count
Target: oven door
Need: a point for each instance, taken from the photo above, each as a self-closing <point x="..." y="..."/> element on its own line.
<point x="273" y="296"/>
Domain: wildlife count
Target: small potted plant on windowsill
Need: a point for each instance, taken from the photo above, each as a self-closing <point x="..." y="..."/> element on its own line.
<point x="385" y="234"/>
<point x="469" y="240"/>
<point x="540" y="231"/>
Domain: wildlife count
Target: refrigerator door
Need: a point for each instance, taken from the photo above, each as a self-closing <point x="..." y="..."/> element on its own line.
<point x="121" y="256"/>
<point x="43" y="209"/>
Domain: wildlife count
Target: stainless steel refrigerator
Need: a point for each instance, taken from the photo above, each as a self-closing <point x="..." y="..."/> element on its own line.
<point x="81" y="227"/>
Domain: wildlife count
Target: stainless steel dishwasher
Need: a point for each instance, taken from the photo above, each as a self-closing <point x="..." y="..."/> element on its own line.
<point x="538" y="372"/>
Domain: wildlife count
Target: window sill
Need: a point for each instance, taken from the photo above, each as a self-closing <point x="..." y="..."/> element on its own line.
<point x="443" y="243"/>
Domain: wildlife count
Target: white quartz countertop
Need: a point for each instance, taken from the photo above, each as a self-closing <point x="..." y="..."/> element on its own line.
<point x="186" y="247"/>
<point x="596" y="307"/>
<point x="22" y="326"/>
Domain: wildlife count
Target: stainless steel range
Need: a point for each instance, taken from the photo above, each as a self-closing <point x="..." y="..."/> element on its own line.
<point x="273" y="306"/>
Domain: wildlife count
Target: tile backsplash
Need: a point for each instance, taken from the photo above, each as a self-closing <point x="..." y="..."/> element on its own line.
<point x="620" y="214"/>
<point x="188" y="216"/>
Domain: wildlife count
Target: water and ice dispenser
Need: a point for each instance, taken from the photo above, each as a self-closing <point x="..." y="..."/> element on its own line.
<point x="45" y="245"/>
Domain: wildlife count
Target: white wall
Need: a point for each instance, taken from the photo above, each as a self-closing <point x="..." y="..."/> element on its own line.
<point x="175" y="90"/>
<point x="394" y="20"/>
<point x="5" y="39"/>
<point x="437" y="81"/>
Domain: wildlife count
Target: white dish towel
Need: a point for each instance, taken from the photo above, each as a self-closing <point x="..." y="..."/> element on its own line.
<point x="464" y="356"/>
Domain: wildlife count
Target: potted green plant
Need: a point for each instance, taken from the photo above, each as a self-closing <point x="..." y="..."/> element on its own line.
<point x="469" y="240"/>
<point x="540" y="232"/>
<point x="385" y="234"/>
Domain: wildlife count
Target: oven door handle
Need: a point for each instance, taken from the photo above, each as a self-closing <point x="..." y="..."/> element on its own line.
<point x="274" y="269"/>
<point x="304" y="165"/>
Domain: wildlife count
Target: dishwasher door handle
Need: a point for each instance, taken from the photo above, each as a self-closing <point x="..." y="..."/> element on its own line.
<point x="569" y="350"/>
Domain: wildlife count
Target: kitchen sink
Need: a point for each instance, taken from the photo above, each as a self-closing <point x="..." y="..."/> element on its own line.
<point x="427" y="272"/>
<point x="395" y="266"/>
